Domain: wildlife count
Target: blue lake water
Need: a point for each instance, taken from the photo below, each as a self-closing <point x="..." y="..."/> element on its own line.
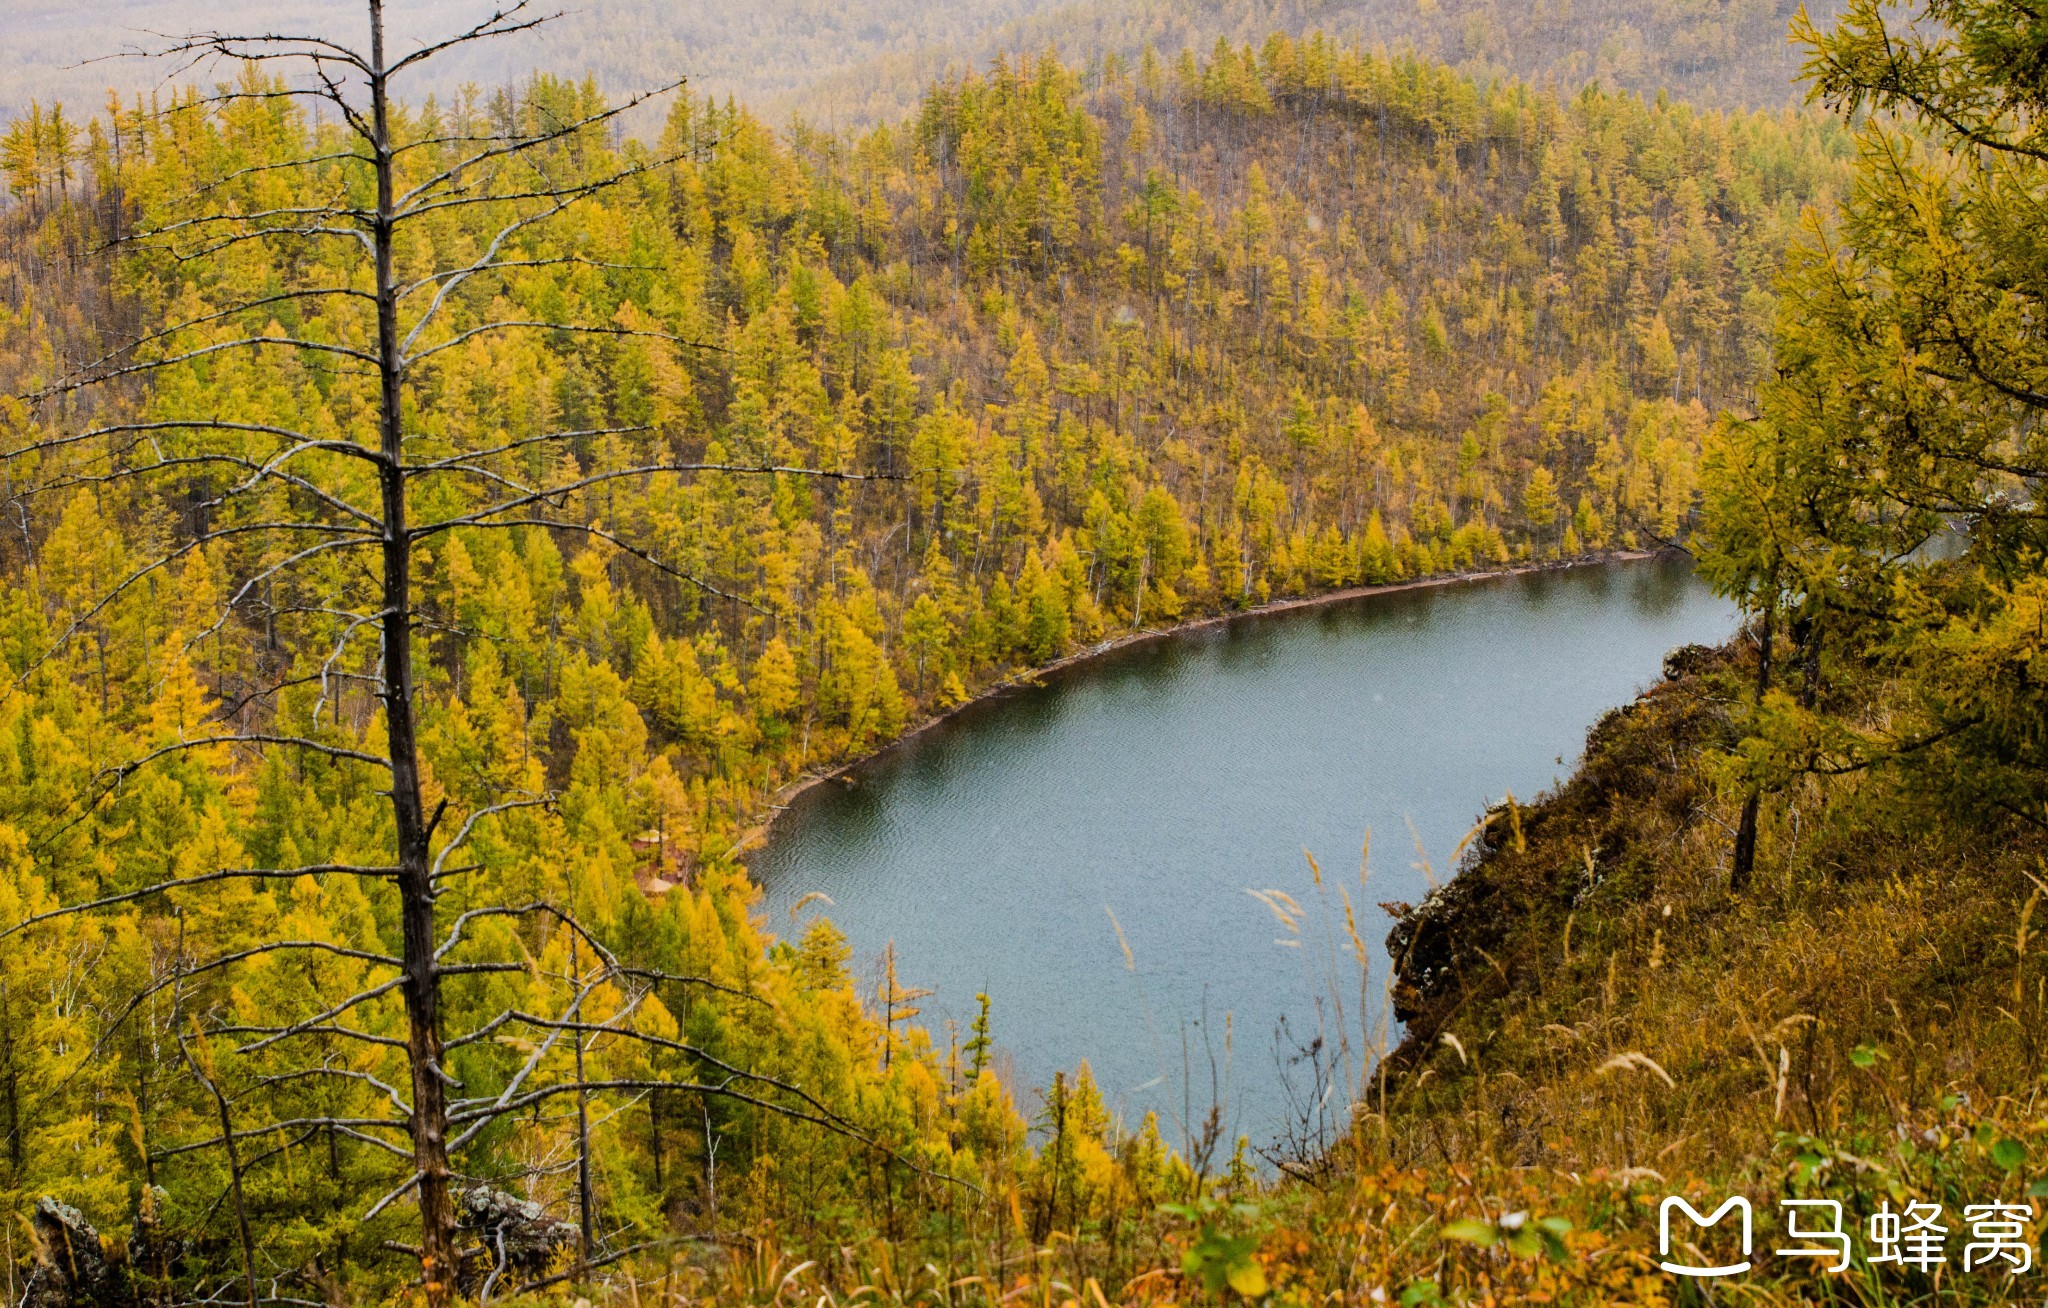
<point x="1154" y="788"/>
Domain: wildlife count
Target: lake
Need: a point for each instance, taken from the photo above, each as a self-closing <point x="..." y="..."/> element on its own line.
<point x="1085" y="850"/>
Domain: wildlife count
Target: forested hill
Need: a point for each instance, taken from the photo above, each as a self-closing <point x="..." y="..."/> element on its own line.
<point x="1211" y="332"/>
<point x="1115" y="351"/>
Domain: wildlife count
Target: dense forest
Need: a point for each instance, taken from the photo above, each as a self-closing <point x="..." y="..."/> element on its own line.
<point x="1118" y="371"/>
<point x="732" y="453"/>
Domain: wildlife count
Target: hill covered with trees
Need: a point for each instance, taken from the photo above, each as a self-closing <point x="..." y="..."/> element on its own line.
<point x="1250" y="326"/>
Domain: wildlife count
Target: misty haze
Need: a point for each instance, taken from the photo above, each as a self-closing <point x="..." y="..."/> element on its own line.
<point x="860" y="61"/>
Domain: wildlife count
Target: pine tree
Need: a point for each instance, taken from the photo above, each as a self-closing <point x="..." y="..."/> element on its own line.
<point x="979" y="1047"/>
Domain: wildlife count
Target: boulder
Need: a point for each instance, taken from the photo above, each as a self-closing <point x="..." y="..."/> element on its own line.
<point x="71" y="1268"/>
<point x="1690" y="661"/>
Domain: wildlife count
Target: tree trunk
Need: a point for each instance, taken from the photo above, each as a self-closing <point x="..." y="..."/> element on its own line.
<point x="10" y="1084"/>
<point x="421" y="988"/>
<point x="227" y="1135"/>
<point x="1745" y="843"/>
<point x="584" y="1215"/>
<point x="1744" y="860"/>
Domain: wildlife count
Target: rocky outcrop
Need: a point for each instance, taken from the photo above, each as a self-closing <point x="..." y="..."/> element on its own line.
<point x="71" y="1267"/>
<point x="1588" y="848"/>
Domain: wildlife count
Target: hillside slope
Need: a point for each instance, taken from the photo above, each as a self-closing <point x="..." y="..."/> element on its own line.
<point x="1275" y="322"/>
<point x="1877" y="964"/>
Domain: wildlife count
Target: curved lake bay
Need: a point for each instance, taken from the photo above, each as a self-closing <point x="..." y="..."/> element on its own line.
<point x="1151" y="789"/>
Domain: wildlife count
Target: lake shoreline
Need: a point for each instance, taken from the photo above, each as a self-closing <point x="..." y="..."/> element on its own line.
<point x="757" y="834"/>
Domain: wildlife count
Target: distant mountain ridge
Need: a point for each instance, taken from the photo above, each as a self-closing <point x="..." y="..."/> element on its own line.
<point x="1718" y="54"/>
<point x="861" y="61"/>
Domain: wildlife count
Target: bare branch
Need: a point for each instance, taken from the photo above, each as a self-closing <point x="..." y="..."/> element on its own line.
<point x="199" y="252"/>
<point x="350" y="1074"/>
<point x="482" y="263"/>
<point x="333" y="1029"/>
<point x="469" y="824"/>
<point x="682" y="1047"/>
<point x="368" y="131"/>
<point x="182" y="974"/>
<point x="521" y="144"/>
<point x="478" y="516"/>
<point x="154" y="365"/>
<point x="459" y="461"/>
<point x="461" y="923"/>
<point x="495" y="25"/>
<point x="327" y="672"/>
<point x="259" y="471"/>
<point x="518" y="1079"/>
<point x="392" y="1197"/>
<point x="203" y="320"/>
<point x="405" y="289"/>
<point x="143" y="235"/>
<point x="228" y="711"/>
<point x="125" y="770"/>
<point x="308" y="161"/>
<point x="304" y="442"/>
<point x="629" y="548"/>
<point x="586" y="329"/>
<point x="205" y="878"/>
<point x="334" y="1011"/>
<point x="483" y="1117"/>
<point x="604" y="1260"/>
<point x="575" y="192"/>
<point x="357" y="539"/>
<point x="348" y="1126"/>
<point x="225" y="46"/>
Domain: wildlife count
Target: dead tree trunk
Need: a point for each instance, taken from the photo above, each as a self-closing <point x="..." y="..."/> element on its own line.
<point x="414" y="832"/>
<point x="1743" y="862"/>
<point x="376" y="188"/>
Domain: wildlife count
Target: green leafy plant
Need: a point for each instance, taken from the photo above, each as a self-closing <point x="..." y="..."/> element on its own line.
<point x="1517" y="1233"/>
<point x="2009" y="1153"/>
<point x="1216" y="1257"/>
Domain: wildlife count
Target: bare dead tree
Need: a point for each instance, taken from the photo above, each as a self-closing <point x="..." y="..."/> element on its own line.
<point x="317" y="500"/>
